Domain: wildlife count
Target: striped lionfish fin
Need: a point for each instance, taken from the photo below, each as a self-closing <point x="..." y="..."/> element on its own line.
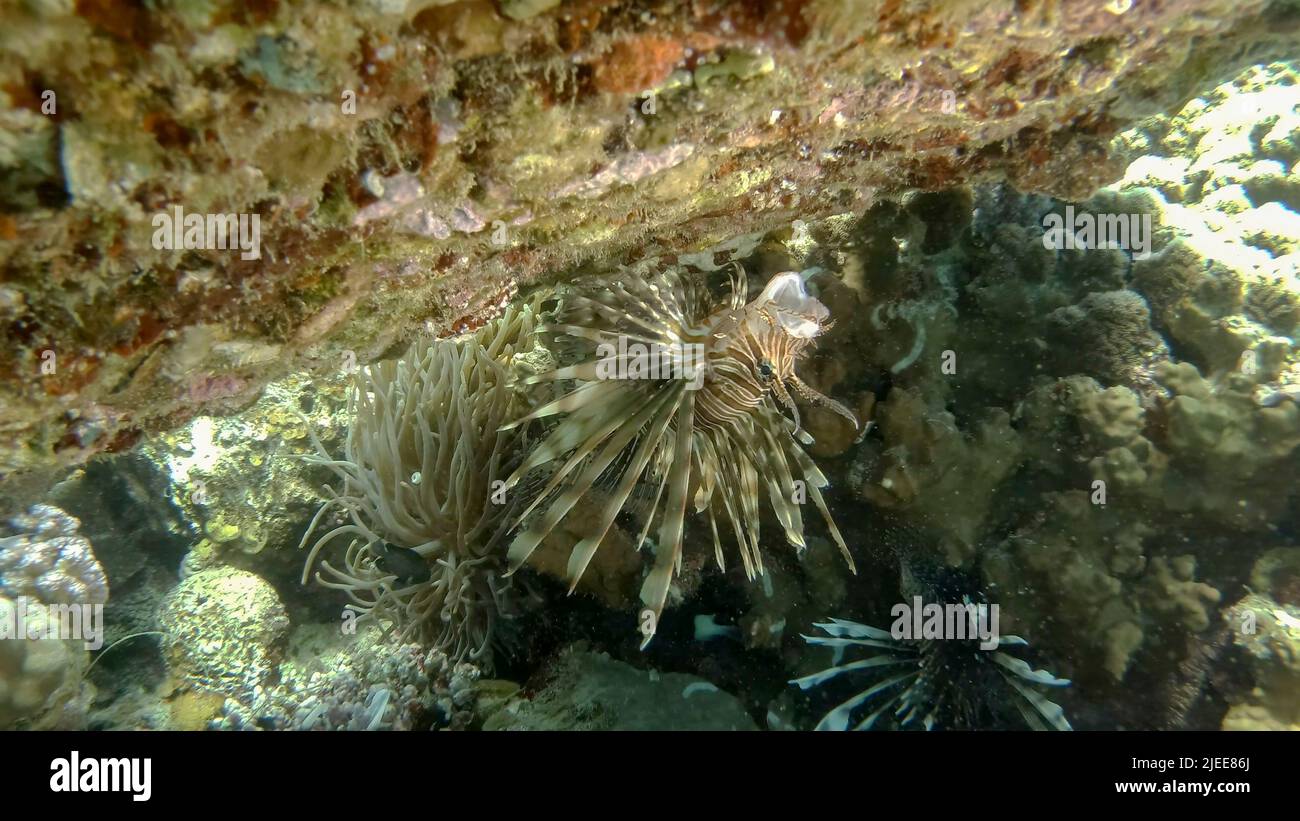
<point x="661" y="412"/>
<point x="525" y="543"/>
<point x="654" y="591"/>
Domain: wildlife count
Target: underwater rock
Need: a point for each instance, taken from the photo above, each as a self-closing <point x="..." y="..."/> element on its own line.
<point x="41" y="680"/>
<point x="614" y="575"/>
<point x="139" y="535"/>
<point x="586" y="690"/>
<point x="332" y="680"/>
<point x="277" y="112"/>
<point x="225" y="631"/>
<point x="238" y="485"/>
<point x="1268" y="634"/>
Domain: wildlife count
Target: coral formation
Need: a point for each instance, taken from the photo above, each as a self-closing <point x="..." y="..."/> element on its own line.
<point x="235" y="481"/>
<point x="1218" y="178"/>
<point x="225" y="631"/>
<point x="41" y="684"/>
<point x="1265" y="628"/>
<point x="331" y="681"/>
<point x="49" y="561"/>
<point x="47" y="570"/>
<point x="1064" y="362"/>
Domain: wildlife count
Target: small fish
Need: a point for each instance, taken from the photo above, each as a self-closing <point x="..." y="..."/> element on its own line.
<point x="707" y="628"/>
<point x="403" y="562"/>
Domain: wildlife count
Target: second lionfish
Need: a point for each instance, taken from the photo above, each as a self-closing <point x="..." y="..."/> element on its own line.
<point x="707" y="429"/>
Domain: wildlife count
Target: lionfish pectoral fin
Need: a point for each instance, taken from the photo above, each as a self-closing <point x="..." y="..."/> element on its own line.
<point x="654" y="591"/>
<point x="582" y="396"/>
<point x="585" y="550"/>
<point x="586" y="371"/>
<point x="577" y="430"/>
<point x="610" y="447"/>
<point x="579" y="436"/>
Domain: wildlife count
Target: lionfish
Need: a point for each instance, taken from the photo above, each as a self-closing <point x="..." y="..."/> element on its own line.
<point x="705" y="429"/>
<point x="942" y="682"/>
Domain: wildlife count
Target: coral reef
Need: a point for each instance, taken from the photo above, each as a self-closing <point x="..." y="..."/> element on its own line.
<point x="240" y="490"/>
<point x="1219" y="179"/>
<point x="1063" y="362"/>
<point x="1265" y="629"/>
<point x="332" y="681"/>
<point x="1096" y="430"/>
<point x="47" y="571"/>
<point x="41" y="674"/>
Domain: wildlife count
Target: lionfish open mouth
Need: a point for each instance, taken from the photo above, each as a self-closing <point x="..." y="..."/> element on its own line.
<point x="711" y="433"/>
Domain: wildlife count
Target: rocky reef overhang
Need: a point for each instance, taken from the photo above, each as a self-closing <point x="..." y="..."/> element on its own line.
<point x="412" y="164"/>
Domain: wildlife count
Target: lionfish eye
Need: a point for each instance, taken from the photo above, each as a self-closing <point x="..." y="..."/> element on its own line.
<point x="765" y="370"/>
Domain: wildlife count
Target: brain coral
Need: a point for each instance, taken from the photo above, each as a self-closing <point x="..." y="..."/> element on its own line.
<point x="226" y="630"/>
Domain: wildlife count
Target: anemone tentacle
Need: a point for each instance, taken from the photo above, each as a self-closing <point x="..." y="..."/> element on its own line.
<point x="422" y="459"/>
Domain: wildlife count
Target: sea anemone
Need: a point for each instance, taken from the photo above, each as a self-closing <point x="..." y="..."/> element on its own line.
<point x="421" y="499"/>
<point x="944" y="682"/>
<point x="683" y="398"/>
